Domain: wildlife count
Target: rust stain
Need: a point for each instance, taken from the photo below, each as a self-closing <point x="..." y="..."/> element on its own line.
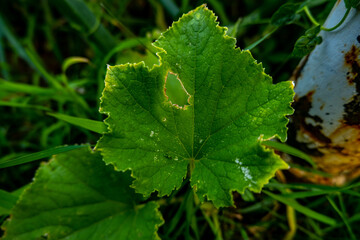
<point x="310" y="94"/>
<point x="341" y="158"/>
<point x="302" y="107"/>
<point x="353" y="63"/>
<point x="317" y="179"/>
<point x="339" y="153"/>
<point x="352" y="108"/>
<point x="352" y="111"/>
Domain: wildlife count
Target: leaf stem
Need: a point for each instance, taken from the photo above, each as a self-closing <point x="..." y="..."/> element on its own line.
<point x="339" y="24"/>
<point x="310" y="16"/>
<point x="316" y="23"/>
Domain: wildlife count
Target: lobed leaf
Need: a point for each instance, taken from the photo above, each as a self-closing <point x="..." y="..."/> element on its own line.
<point x="286" y="14"/>
<point x="215" y="138"/>
<point x="306" y="43"/>
<point x="75" y="196"/>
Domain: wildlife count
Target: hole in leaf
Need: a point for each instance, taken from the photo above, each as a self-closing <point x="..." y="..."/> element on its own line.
<point x="175" y="91"/>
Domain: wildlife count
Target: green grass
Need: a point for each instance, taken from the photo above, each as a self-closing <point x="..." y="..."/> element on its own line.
<point x="53" y="57"/>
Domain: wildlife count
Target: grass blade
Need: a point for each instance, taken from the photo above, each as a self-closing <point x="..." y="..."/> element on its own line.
<point x="36" y="61"/>
<point x="265" y="204"/>
<point x="126" y="44"/>
<point x="343" y="217"/>
<point x="79" y="14"/>
<point x="304" y="210"/>
<point x="3" y="65"/>
<point x="23" y="105"/>
<point x="25" y="88"/>
<point x="354" y="218"/>
<point x="253" y="45"/>
<point x="289" y="150"/>
<point x="14" y="42"/>
<point x="310" y="170"/>
<point x="306" y="194"/>
<point x="38" y="155"/>
<point x="92" y="125"/>
<point x="319" y="189"/>
<point x="220" y="11"/>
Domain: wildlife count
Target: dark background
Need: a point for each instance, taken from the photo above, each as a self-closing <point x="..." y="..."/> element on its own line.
<point x="39" y="39"/>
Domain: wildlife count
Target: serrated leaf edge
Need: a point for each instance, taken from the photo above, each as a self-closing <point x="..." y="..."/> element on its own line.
<point x="282" y="165"/>
<point x="34" y="180"/>
<point x="161" y="50"/>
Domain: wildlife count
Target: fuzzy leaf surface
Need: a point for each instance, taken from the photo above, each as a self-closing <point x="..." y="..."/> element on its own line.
<point x="215" y="139"/>
<point x="75" y="196"/>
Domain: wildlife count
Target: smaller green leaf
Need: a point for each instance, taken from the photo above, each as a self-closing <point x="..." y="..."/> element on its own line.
<point x="75" y="196"/>
<point x="352" y="3"/>
<point x="7" y="202"/>
<point x="306" y="43"/>
<point x="92" y="125"/>
<point x="286" y="14"/>
<point x="38" y="155"/>
<point x="304" y="210"/>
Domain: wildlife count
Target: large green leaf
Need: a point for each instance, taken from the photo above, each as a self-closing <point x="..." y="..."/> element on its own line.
<point x="216" y="137"/>
<point x="75" y="196"/>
